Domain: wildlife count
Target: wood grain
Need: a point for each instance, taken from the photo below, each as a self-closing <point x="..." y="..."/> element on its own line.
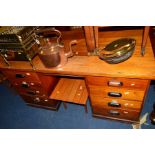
<point x="70" y="90"/>
<point x="145" y="36"/>
<point x="126" y="82"/>
<point x="127" y="94"/>
<point x="123" y="114"/>
<point x="97" y="101"/>
<point x="90" y="38"/>
<point x="135" y="67"/>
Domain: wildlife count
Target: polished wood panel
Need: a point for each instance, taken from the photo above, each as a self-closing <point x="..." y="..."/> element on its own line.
<point x="48" y="82"/>
<point x="90" y="38"/>
<point x="127" y="94"/>
<point x="144" y="40"/>
<point x="70" y="90"/>
<point x="135" y="67"/>
<point x="97" y="101"/>
<point x="124" y="82"/>
<point x="96" y="35"/>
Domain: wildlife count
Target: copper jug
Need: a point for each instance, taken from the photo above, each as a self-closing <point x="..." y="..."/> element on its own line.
<point x="52" y="53"/>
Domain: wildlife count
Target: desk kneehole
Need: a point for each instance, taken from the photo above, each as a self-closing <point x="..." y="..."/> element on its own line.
<point x="71" y="90"/>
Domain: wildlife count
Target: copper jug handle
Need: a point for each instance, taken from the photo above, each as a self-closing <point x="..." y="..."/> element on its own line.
<point x="49" y="30"/>
<point x="70" y="52"/>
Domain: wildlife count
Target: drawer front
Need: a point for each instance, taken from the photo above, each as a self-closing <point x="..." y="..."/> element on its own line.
<point x="30" y="88"/>
<point x="119" y="93"/>
<point x="115" y="103"/>
<point x="40" y="101"/>
<point x="32" y="92"/>
<point x="118" y="82"/>
<point x="27" y="85"/>
<point x="117" y="113"/>
<point x="20" y="76"/>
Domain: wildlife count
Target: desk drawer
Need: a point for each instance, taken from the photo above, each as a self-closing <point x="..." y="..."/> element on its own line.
<point x="32" y="92"/>
<point x="27" y="85"/>
<point x="119" y="93"/>
<point x="20" y="76"/>
<point x="41" y="102"/>
<point x="30" y="88"/>
<point x="115" y="103"/>
<point x="118" y="82"/>
<point x="117" y="113"/>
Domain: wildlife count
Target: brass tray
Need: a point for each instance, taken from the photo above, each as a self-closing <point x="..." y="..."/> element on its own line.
<point x="118" y="50"/>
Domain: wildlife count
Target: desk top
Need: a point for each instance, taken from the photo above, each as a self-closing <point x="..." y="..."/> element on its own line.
<point x="135" y="67"/>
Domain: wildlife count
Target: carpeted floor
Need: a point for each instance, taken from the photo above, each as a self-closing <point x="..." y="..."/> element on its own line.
<point x="15" y="114"/>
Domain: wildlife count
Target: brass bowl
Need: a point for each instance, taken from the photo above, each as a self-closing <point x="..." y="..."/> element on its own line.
<point x="118" y="50"/>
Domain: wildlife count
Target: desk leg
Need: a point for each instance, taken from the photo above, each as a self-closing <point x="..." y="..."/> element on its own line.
<point x="86" y="110"/>
<point x="144" y="39"/>
<point x="65" y="105"/>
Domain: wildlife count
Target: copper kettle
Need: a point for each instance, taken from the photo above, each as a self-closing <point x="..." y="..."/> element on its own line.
<point x="52" y="53"/>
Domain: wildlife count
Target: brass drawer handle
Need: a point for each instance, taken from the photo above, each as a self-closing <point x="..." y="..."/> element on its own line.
<point x="31" y="92"/>
<point x="115" y="83"/>
<point x="24" y="84"/>
<point x="114" y="104"/>
<point x="20" y="75"/>
<point x="114" y="113"/>
<point x="37" y="100"/>
<point x="114" y="94"/>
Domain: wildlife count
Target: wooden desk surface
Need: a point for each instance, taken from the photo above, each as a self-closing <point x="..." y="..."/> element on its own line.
<point x="135" y="67"/>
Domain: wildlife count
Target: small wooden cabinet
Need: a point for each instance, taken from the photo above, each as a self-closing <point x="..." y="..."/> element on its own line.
<point x="34" y="88"/>
<point x="117" y="98"/>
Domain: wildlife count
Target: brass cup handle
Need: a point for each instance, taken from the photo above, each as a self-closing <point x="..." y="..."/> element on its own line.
<point x="115" y="83"/>
<point x="114" y="113"/>
<point x="114" y="94"/>
<point x="114" y="104"/>
<point x="70" y="53"/>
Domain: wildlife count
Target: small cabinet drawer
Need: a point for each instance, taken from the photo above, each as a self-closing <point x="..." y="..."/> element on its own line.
<point x="115" y="103"/>
<point x="117" y="113"/>
<point x="30" y="88"/>
<point x="20" y="76"/>
<point x="27" y="85"/>
<point x="119" y="93"/>
<point x="42" y="102"/>
<point x="32" y="92"/>
<point x="117" y="82"/>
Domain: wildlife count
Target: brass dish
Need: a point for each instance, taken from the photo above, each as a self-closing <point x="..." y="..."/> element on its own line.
<point x="118" y="50"/>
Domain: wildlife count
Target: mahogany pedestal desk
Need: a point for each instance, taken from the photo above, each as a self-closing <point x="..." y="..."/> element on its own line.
<point x="116" y="91"/>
